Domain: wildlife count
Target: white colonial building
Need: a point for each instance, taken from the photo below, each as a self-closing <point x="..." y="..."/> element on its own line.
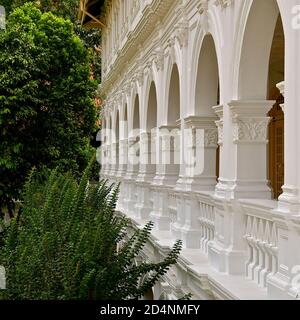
<point x="221" y="77"/>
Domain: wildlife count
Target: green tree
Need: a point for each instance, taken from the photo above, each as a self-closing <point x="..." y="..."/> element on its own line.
<point x="47" y="110"/>
<point x="68" y="243"/>
<point x="68" y="9"/>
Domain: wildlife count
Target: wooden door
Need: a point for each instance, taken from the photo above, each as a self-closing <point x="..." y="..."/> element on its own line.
<point x="276" y="148"/>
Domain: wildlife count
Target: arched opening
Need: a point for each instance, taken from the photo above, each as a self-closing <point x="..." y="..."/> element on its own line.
<point x="136" y="113"/>
<point x="110" y="130"/>
<point x="276" y="126"/>
<point x="261" y="69"/>
<point x="152" y="108"/>
<point x="174" y="97"/>
<point x="134" y="147"/>
<point x="257" y="44"/>
<point x="151" y="130"/>
<point x="172" y="138"/>
<point x="117" y="137"/>
<point x="207" y="93"/>
<point x="207" y="85"/>
<point x="125" y="123"/>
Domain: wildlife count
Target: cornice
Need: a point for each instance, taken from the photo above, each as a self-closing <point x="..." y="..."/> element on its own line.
<point x="151" y="15"/>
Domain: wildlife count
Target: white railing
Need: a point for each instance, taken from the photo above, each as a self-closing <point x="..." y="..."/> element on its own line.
<point x="172" y="206"/>
<point x="261" y="238"/>
<point x="207" y="222"/>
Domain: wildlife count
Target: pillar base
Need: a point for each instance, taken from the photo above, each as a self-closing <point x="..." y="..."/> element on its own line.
<point x="143" y="206"/>
<point x="160" y="212"/>
<point x="227" y="261"/>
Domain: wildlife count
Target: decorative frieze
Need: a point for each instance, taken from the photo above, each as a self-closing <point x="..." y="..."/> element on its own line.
<point x="211" y="137"/>
<point x="250" y="121"/>
<point x="250" y="129"/>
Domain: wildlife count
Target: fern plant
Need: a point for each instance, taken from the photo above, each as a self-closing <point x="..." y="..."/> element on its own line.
<point x="68" y="243"/>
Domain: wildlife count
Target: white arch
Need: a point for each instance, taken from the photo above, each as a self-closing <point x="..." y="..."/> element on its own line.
<point x="255" y="30"/>
<point x="215" y="31"/>
<point x="135" y="92"/>
<point x="149" y="79"/>
<point x="174" y="57"/>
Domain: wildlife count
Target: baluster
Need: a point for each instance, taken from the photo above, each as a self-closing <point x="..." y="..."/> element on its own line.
<point x="253" y="242"/>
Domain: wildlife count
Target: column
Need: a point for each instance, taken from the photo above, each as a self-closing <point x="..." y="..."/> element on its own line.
<point x="201" y="137"/>
<point x="168" y="146"/>
<point x="131" y="175"/>
<point x="146" y="174"/>
<point x="248" y="125"/>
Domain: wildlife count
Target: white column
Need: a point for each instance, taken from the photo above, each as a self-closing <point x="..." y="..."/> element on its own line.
<point x="169" y="157"/>
<point x="285" y="283"/>
<point x="248" y="123"/>
<point x="201" y="137"/>
<point x="144" y="179"/>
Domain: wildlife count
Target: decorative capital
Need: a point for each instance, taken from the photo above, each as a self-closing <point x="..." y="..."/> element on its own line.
<point x="211" y="137"/>
<point x="159" y="59"/>
<point x="250" y="121"/>
<point x="203" y="6"/>
<point x="281" y="87"/>
<point x="220" y="125"/>
<point x="140" y="78"/>
<point x="223" y="3"/>
<point x="182" y="33"/>
<point x="250" y="130"/>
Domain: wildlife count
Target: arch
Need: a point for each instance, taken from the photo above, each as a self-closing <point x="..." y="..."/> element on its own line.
<point x="117" y="136"/>
<point x="276" y="125"/>
<point x="151" y="121"/>
<point x="260" y="69"/>
<point x="255" y="50"/>
<point x="174" y="97"/>
<point x="125" y="122"/>
<point x="110" y="134"/>
<point x="172" y="61"/>
<point x="117" y="126"/>
<point x="136" y="113"/>
<point x="207" y="81"/>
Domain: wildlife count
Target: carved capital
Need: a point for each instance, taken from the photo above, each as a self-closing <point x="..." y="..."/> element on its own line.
<point x="182" y="33"/>
<point x="159" y="59"/>
<point x="140" y="79"/>
<point x="211" y="137"/>
<point x="223" y="3"/>
<point x="203" y="6"/>
<point x="250" y="121"/>
<point x="250" y="129"/>
<point x="219" y="123"/>
<point x="220" y="129"/>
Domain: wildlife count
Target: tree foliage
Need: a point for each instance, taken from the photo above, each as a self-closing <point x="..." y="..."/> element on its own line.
<point x="47" y="110"/>
<point x="68" y="243"/>
<point x="68" y="9"/>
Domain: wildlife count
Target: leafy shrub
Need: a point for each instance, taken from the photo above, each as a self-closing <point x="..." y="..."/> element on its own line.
<point x="68" y="243"/>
